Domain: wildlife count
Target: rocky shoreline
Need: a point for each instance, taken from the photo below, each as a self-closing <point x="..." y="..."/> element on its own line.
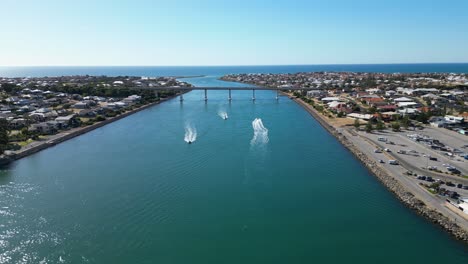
<point x="390" y="182"/>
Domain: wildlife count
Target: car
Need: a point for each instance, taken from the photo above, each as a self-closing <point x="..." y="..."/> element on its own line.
<point x="432" y="158"/>
<point x="377" y="151"/>
<point x="381" y="161"/>
<point x="465" y="187"/>
<point x="451" y="184"/>
<point x="460" y="185"/>
<point x="387" y="150"/>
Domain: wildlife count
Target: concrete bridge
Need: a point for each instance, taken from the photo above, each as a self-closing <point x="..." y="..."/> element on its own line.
<point x="229" y="89"/>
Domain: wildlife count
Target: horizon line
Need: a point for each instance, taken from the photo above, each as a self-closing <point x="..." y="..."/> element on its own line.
<point x="234" y="65"/>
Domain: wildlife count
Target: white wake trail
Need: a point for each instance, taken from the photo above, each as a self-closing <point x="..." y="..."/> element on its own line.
<point x="223" y="114"/>
<point x="260" y="132"/>
<point x="190" y="134"/>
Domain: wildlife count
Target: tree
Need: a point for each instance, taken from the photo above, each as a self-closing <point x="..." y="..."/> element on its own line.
<point x="372" y="110"/>
<point x="380" y="125"/>
<point x="3" y="135"/>
<point x="405" y="122"/>
<point x="357" y="123"/>
<point x="396" y="126"/>
<point x="8" y="87"/>
<point x="369" y="127"/>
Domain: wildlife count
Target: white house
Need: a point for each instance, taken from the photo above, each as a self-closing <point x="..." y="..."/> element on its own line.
<point x="403" y="99"/>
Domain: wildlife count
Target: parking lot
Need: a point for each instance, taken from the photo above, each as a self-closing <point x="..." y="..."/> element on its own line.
<point x="420" y="154"/>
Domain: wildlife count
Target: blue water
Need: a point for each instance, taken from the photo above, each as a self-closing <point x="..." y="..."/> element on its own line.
<point x="134" y="191"/>
<point x="218" y="71"/>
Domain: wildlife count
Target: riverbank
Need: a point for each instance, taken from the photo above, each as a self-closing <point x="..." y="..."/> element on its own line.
<point x="402" y="191"/>
<point x="53" y="140"/>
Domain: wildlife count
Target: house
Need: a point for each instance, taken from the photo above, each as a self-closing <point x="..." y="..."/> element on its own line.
<point x="387" y="107"/>
<point x="465" y="116"/>
<point x="330" y="99"/>
<point x="388" y="116"/>
<point x="453" y="119"/>
<point x="390" y="93"/>
<point x="18" y="123"/>
<point x="402" y="100"/>
<point x="66" y="121"/>
<point x="81" y="105"/>
<point x="315" y="93"/>
<point x="372" y="100"/>
<point x="407" y="111"/>
<point x="44" y="127"/>
<point x="360" y="116"/>
<point x="407" y="104"/>
<point x="87" y="113"/>
<point x="373" y="91"/>
<point x="132" y="99"/>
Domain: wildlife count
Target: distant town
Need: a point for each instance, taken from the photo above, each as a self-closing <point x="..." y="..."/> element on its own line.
<point x="37" y="111"/>
<point x="436" y="99"/>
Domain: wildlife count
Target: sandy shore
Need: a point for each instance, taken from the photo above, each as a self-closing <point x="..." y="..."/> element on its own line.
<point x="37" y="146"/>
<point x="411" y="194"/>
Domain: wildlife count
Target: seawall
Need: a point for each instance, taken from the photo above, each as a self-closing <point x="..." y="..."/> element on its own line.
<point x="389" y="181"/>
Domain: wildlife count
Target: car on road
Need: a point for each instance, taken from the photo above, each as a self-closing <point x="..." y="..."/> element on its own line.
<point x="432" y="158"/>
<point x="387" y="150"/>
<point x="393" y="162"/>
<point x="381" y="161"/>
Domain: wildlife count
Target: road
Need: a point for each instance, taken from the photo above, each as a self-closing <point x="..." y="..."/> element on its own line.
<point x="431" y="200"/>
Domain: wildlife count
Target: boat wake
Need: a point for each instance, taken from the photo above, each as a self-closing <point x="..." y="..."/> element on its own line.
<point x="260" y="133"/>
<point x="223" y="115"/>
<point x="190" y="134"/>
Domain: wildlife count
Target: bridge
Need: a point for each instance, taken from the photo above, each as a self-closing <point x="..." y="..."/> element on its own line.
<point x="229" y="89"/>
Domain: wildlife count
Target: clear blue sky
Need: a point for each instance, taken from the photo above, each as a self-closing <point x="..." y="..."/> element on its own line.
<point x="209" y="32"/>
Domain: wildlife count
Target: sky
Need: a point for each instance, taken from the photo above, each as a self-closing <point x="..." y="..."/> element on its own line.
<point x="210" y="32"/>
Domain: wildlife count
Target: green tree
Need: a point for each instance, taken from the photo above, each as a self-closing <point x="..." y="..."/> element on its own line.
<point x="4" y="129"/>
<point x="357" y="124"/>
<point x="372" y="110"/>
<point x="369" y="127"/>
<point x="405" y="122"/>
<point x="380" y="125"/>
<point x="8" y="87"/>
<point x="396" y="126"/>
